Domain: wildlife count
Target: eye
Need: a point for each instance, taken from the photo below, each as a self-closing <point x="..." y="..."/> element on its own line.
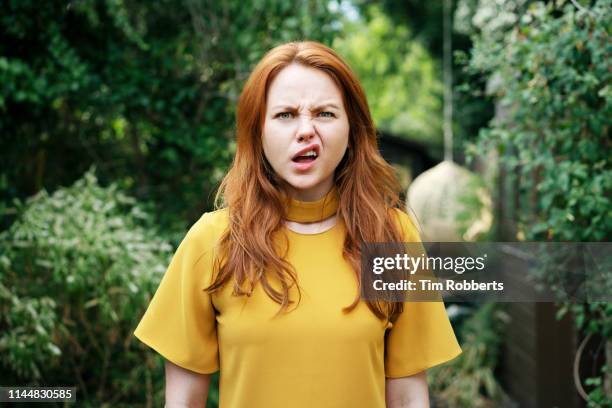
<point x="327" y="114"/>
<point x="284" y="115"/>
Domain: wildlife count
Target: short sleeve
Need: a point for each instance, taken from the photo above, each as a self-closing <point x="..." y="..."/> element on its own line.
<point x="180" y="322"/>
<point x="422" y="336"/>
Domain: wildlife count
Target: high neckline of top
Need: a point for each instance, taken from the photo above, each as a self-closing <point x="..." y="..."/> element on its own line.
<point x="313" y="211"/>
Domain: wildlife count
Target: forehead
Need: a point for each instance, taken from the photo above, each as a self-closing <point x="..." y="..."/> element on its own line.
<point x="297" y="84"/>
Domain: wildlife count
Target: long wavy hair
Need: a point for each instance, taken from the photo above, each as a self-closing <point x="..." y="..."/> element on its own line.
<point x="254" y="195"/>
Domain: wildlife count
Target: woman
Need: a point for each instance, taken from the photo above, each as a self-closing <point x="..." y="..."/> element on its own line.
<point x="267" y="288"/>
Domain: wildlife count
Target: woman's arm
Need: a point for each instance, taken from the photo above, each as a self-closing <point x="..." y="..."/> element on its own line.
<point x="185" y="388"/>
<point x="408" y="392"/>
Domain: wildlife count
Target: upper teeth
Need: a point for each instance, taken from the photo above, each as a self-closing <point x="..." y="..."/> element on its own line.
<point x="310" y="153"/>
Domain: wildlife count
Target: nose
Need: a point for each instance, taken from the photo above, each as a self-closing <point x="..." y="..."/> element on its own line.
<point x="306" y="130"/>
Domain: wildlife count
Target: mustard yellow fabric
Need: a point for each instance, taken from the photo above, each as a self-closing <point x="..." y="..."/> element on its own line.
<point x="312" y="211"/>
<point x="313" y="356"/>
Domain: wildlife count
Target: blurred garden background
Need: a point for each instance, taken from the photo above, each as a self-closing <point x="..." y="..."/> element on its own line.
<point x="117" y="125"/>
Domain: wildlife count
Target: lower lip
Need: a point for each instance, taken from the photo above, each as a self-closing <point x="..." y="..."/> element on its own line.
<point x="304" y="165"/>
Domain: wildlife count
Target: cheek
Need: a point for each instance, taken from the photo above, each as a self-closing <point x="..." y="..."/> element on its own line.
<point x="272" y="148"/>
<point x="268" y="150"/>
<point x="338" y="141"/>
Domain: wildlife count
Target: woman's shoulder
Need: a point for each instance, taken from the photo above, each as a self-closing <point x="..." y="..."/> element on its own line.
<point x="208" y="229"/>
<point x="407" y="223"/>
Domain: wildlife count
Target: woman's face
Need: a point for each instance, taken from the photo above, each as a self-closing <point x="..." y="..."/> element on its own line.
<point x="306" y="130"/>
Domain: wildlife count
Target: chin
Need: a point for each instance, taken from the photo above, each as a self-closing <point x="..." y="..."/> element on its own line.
<point x="303" y="182"/>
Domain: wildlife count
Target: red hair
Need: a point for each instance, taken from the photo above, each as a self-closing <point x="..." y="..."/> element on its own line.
<point x="254" y="195"/>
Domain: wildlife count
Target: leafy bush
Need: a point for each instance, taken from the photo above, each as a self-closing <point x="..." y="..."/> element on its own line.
<point x="553" y="77"/>
<point x="77" y="269"/>
<point x="146" y="90"/>
<point x="554" y="74"/>
<point x="469" y="380"/>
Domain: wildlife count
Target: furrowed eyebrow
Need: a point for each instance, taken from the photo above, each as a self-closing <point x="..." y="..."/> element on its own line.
<point x="327" y="105"/>
<point x="319" y="107"/>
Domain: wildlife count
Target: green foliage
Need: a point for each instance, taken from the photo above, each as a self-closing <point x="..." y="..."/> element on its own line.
<point x="490" y="18"/>
<point x="598" y="397"/>
<point x="553" y="73"/>
<point x="144" y="90"/>
<point x="397" y="73"/>
<point x="399" y="76"/>
<point x="469" y="380"/>
<point x="475" y="218"/>
<point x="471" y="110"/>
<point x="77" y="270"/>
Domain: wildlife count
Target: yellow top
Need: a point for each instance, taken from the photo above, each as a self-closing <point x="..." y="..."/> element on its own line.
<point x="312" y="356"/>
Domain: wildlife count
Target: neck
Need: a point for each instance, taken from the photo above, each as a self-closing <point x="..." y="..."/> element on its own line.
<point x="313" y="211"/>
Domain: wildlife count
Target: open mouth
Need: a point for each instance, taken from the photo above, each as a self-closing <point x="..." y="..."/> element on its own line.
<point x="307" y="155"/>
<point x="306" y="158"/>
